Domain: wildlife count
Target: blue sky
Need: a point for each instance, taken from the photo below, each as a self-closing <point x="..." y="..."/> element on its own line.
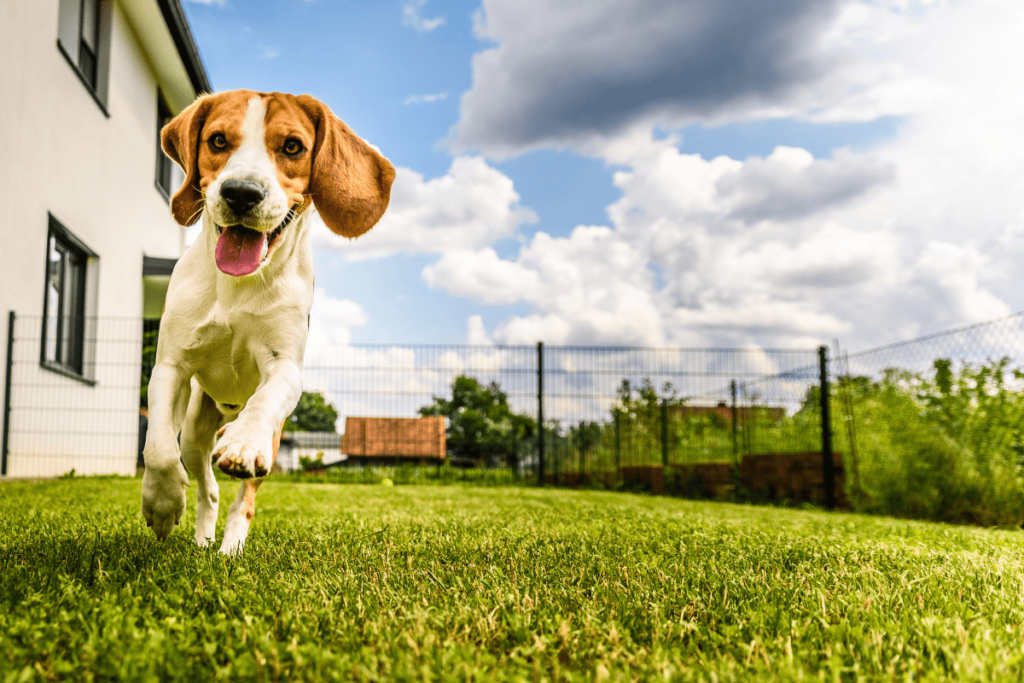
<point x="746" y="173"/>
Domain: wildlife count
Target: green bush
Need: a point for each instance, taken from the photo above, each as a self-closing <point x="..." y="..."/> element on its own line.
<point x="945" y="448"/>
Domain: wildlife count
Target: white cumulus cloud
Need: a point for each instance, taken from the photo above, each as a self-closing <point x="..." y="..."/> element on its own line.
<point x="591" y="288"/>
<point x="471" y="206"/>
<point x="331" y="320"/>
<point x="920" y="233"/>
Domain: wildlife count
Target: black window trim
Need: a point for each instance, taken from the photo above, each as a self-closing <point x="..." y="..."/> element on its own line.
<point x="57" y="229"/>
<point x="161" y="158"/>
<point x="74" y="62"/>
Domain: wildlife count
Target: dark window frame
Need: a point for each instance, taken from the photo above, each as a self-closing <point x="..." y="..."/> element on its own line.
<point x="164" y="165"/>
<point x="88" y="55"/>
<point x="70" y="362"/>
<point x="91" y="66"/>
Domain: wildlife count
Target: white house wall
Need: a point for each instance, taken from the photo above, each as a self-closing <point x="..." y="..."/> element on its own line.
<point x="96" y="174"/>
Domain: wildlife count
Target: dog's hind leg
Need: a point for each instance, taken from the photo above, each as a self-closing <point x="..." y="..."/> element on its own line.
<point x="244" y="509"/>
<point x="197" y="435"/>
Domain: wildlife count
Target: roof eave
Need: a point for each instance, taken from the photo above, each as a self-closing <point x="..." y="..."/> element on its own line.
<point x="177" y="24"/>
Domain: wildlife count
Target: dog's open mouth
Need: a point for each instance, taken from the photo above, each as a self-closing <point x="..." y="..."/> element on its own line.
<point x="241" y="250"/>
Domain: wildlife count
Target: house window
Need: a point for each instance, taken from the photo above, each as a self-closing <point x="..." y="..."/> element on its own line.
<point x="168" y="176"/>
<point x="88" y="47"/>
<point x="64" y="321"/>
<point x="83" y="35"/>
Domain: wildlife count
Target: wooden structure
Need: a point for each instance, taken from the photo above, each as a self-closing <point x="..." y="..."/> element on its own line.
<point x="394" y="438"/>
<point x="723" y="412"/>
<point x="796" y="477"/>
<point x="793" y="476"/>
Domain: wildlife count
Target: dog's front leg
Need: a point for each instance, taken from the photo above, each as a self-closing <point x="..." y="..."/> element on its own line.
<point x="163" y="484"/>
<point x="248" y="445"/>
<point x="197" y="435"/>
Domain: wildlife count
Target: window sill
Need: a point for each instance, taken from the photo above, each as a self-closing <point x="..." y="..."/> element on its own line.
<point x="66" y="372"/>
<point x="84" y="80"/>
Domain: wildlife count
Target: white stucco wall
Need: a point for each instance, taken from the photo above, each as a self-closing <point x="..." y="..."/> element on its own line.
<point x="96" y="174"/>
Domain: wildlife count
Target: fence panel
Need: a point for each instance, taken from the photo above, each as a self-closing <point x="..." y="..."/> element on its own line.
<point x="607" y="410"/>
<point x="382" y="391"/>
<point x="935" y="425"/>
<point x="610" y="413"/>
<point x="616" y="412"/>
<point x="82" y="417"/>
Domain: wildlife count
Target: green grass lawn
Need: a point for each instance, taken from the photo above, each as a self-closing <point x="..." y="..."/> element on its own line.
<point x="460" y="583"/>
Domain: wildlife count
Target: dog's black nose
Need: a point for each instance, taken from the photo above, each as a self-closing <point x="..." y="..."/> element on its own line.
<point x="242" y="195"/>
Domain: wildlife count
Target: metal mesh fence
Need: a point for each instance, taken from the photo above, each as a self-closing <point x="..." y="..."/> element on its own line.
<point x="81" y="415"/>
<point x="934" y="425"/>
<point x="931" y="427"/>
<point x="613" y="411"/>
<point x="972" y="344"/>
<point x="603" y="410"/>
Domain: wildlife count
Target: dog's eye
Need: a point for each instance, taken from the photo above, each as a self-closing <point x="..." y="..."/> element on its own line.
<point x="292" y="147"/>
<point x="218" y="141"/>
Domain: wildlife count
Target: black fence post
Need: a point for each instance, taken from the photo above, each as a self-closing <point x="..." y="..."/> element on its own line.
<point x="664" y="432"/>
<point x="540" y="414"/>
<point x="11" y="318"/>
<point x="826" y="431"/>
<point x="735" y="423"/>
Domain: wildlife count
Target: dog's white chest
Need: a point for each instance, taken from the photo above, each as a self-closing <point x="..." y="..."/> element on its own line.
<point x="222" y="357"/>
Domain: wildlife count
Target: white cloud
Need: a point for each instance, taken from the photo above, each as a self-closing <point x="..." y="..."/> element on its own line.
<point x="472" y="206"/>
<point x="270" y="53"/>
<point x="476" y="333"/>
<point x="700" y="253"/>
<point x="922" y="233"/>
<point x="332" y="320"/>
<point x="790" y="183"/>
<point x="946" y="276"/>
<point x="591" y="288"/>
<point x="425" y="99"/>
<point x="219" y="3"/>
<point x="412" y="16"/>
<point x="482" y="275"/>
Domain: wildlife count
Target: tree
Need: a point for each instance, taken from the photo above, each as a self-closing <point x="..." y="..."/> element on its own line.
<point x="480" y="424"/>
<point x="312" y="414"/>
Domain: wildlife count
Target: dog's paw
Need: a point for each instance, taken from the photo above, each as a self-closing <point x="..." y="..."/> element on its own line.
<point x="235" y="534"/>
<point x="239" y="453"/>
<point x="163" y="498"/>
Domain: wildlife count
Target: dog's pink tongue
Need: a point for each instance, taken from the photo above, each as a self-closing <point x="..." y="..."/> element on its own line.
<point x="238" y="250"/>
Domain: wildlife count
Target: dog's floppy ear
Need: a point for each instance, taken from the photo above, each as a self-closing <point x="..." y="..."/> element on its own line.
<point x="180" y="140"/>
<point x="350" y="183"/>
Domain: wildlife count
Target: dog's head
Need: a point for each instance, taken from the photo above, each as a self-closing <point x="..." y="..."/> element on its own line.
<point x="256" y="161"/>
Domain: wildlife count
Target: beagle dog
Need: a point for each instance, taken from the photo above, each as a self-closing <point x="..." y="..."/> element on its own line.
<point x="229" y="357"/>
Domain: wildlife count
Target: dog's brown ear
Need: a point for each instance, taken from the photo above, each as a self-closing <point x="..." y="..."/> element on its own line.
<point x="180" y="140"/>
<point x="350" y="183"/>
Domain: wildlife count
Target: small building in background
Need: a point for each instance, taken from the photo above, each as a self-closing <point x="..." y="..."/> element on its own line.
<point x="295" y="446"/>
<point x="724" y="412"/>
<point x="394" y="439"/>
